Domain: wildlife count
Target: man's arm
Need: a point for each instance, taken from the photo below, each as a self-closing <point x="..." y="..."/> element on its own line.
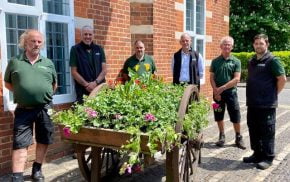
<point x="9" y="86"/>
<point x="281" y="81"/>
<point x="212" y="83"/>
<point x="102" y="75"/>
<point x="54" y="86"/>
<point x="78" y="78"/>
<point x="232" y="83"/>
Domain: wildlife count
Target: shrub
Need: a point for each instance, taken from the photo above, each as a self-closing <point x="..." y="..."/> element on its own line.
<point x="284" y="56"/>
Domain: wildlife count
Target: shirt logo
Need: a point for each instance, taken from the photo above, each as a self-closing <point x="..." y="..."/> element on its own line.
<point x="42" y="67"/>
<point x="262" y="65"/>
<point x="97" y="54"/>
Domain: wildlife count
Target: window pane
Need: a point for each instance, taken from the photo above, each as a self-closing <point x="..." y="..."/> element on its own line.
<point x="189" y="15"/>
<point x="15" y="26"/>
<point x="24" y="2"/>
<point x="199" y="46"/>
<point x="58" y="52"/>
<point x="200" y="17"/>
<point x="59" y="7"/>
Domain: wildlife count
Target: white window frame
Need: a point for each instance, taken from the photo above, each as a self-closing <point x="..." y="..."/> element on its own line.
<point x="36" y="10"/>
<point x="195" y="35"/>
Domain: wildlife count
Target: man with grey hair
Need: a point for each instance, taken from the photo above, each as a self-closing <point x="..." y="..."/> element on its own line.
<point x="32" y="79"/>
<point x="88" y="64"/>
<point x="225" y="73"/>
<point x="187" y="65"/>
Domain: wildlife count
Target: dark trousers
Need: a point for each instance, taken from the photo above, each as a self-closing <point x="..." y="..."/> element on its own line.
<point x="261" y="123"/>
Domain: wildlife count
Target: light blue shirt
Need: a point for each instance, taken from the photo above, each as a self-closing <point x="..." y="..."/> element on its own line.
<point x="184" y="71"/>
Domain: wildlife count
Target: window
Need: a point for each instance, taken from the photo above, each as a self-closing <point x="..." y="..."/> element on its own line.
<point x="195" y="24"/>
<point x="59" y="7"/>
<point x="24" y="2"/>
<point x="58" y="51"/>
<point x="56" y="24"/>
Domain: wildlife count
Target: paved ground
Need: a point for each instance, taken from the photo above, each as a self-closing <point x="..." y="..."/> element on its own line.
<point x="218" y="164"/>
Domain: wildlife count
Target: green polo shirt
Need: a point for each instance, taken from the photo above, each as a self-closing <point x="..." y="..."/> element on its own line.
<point x="224" y="69"/>
<point x="73" y="57"/>
<point x="145" y="65"/>
<point x="32" y="84"/>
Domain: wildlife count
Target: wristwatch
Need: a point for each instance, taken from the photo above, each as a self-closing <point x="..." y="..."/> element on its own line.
<point x="97" y="82"/>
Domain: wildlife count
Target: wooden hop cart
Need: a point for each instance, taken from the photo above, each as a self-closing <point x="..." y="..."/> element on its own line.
<point x="181" y="162"/>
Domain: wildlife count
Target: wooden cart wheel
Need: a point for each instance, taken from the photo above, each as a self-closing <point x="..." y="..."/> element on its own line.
<point x="101" y="159"/>
<point x="96" y="159"/>
<point x="182" y="161"/>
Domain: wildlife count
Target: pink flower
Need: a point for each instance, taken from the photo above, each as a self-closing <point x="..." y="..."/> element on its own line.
<point x="91" y="113"/>
<point x="215" y="105"/>
<point x="149" y="117"/>
<point x="66" y="132"/>
<point x="118" y="116"/>
<point x="129" y="169"/>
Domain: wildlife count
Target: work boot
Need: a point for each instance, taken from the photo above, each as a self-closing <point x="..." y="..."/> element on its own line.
<point x="37" y="175"/>
<point x="252" y="159"/>
<point x="265" y="164"/>
<point x="239" y="142"/>
<point x="221" y="141"/>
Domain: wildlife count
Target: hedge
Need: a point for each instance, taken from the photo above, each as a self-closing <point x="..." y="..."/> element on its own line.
<point x="245" y="56"/>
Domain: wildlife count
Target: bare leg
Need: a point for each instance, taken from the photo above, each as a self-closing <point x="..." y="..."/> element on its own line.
<point x="19" y="158"/>
<point x="237" y="127"/>
<point x="221" y="126"/>
<point x="41" y="150"/>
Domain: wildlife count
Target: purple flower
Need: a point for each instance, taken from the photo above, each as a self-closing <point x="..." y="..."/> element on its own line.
<point x="149" y="117"/>
<point x="66" y="132"/>
<point x="215" y="105"/>
<point x="91" y="113"/>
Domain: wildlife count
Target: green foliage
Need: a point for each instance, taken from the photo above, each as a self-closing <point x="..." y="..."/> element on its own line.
<point x="143" y="105"/>
<point x="244" y="57"/>
<point x="251" y="17"/>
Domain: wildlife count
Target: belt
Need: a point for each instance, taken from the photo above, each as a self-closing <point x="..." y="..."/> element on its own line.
<point x="30" y="107"/>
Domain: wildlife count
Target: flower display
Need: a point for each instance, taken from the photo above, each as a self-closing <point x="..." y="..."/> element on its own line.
<point x="143" y="106"/>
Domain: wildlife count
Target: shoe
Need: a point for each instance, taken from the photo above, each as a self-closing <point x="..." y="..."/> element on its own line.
<point x="252" y="159"/>
<point x="265" y="164"/>
<point x="239" y="142"/>
<point x="37" y="176"/>
<point x="221" y="141"/>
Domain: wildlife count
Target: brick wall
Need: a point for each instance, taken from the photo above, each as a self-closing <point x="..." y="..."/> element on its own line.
<point x="163" y="37"/>
<point x="113" y="22"/>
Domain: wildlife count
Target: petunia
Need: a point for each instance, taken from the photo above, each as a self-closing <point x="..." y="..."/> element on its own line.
<point x="91" y="113"/>
<point x="66" y="131"/>
<point x="129" y="169"/>
<point x="118" y="116"/>
<point x="149" y="117"/>
<point x="137" y="82"/>
<point x="215" y="105"/>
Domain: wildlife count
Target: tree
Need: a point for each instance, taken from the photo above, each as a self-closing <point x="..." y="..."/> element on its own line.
<point x="251" y="17"/>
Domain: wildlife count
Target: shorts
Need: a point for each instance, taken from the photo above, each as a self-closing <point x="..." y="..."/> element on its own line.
<point x="23" y="127"/>
<point x="230" y="100"/>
